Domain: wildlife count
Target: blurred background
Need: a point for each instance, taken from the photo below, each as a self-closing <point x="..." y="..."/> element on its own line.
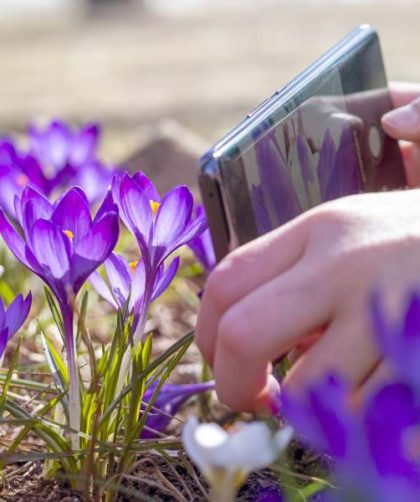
<point x="188" y="69"/>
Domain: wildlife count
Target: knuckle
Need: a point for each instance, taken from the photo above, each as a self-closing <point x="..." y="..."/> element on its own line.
<point x="233" y="334"/>
<point x="222" y="283"/>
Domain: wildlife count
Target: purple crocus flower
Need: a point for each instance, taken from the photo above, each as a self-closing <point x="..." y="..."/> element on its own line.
<point x="399" y="341"/>
<point x="63" y="245"/>
<point x="69" y="157"/>
<point x="160" y="225"/>
<point x="367" y="445"/>
<point x="202" y="244"/>
<point x="13" y="318"/>
<point x="167" y="403"/>
<point x="126" y="283"/>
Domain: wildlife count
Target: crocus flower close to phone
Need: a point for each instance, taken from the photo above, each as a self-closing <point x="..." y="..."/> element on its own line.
<point x="160" y="225"/>
<point x="12" y="318"/>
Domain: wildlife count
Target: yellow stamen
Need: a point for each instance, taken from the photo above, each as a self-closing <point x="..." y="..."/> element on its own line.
<point x="133" y="265"/>
<point x="155" y="206"/>
<point x="69" y="234"/>
<point x="22" y="180"/>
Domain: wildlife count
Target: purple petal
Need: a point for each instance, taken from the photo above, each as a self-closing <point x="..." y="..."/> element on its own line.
<point x="34" y="206"/>
<point x="95" y="180"/>
<point x="166" y="278"/>
<point x="119" y="278"/>
<point x="146" y="186"/>
<point x="17" y="313"/>
<point x="388" y="416"/>
<point x="54" y="144"/>
<point x="99" y="242"/>
<point x="135" y="208"/>
<point x="4" y="338"/>
<point x="108" y="205"/>
<point x="195" y="228"/>
<point x="2" y="315"/>
<point x="138" y="284"/>
<point x="51" y="248"/>
<point x="84" y="144"/>
<point x="72" y="213"/>
<point x="13" y="240"/>
<point x="173" y="217"/>
<point x="102" y="288"/>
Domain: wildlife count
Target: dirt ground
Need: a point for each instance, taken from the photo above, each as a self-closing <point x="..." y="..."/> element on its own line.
<point x="204" y="68"/>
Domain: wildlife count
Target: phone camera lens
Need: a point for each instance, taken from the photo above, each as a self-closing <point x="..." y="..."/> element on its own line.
<point x="375" y="141"/>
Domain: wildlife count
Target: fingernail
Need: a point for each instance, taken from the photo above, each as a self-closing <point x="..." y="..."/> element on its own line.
<point x="270" y="401"/>
<point x="402" y="118"/>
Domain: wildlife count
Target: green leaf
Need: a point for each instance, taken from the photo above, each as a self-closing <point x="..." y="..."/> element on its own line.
<point x="9" y="376"/>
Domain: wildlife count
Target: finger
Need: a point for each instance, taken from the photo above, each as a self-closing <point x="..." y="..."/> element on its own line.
<point x="347" y="348"/>
<point x="383" y="373"/>
<point x="242" y="271"/>
<point x="305" y="345"/>
<point x="411" y="157"/>
<point x="404" y="122"/>
<point x="403" y="93"/>
<point x="255" y="331"/>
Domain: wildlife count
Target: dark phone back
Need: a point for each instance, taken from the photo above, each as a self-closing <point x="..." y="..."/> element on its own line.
<point x="316" y="139"/>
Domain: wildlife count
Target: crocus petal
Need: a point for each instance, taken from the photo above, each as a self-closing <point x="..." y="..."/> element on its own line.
<point x="13" y="240"/>
<point x="146" y="186"/>
<point x="200" y="440"/>
<point x="173" y="216"/>
<point x="4" y="337"/>
<point x="102" y="288"/>
<point x="17" y="313"/>
<point x="34" y="206"/>
<point x="119" y="278"/>
<point x="95" y="179"/>
<point x="250" y="448"/>
<point x="84" y="144"/>
<point x="135" y="208"/>
<point x="51" y="248"/>
<point x="98" y="243"/>
<point x="72" y="213"/>
<point x="166" y="278"/>
<point x="108" y="205"/>
<point x="2" y="315"/>
<point x="138" y="284"/>
<point x="94" y="248"/>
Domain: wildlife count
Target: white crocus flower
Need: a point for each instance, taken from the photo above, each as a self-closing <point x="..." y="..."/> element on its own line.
<point x="226" y="458"/>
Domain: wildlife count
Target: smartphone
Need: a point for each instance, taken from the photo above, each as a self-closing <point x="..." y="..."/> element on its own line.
<point x="316" y="139"/>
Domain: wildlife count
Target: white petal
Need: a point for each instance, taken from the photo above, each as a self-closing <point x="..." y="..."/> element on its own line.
<point x="282" y="439"/>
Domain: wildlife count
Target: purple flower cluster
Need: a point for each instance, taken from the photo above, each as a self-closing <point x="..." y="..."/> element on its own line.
<point x="56" y="158"/>
<point x="373" y="447"/>
<point x="63" y="244"/>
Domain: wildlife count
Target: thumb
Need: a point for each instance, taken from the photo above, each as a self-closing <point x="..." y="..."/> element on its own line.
<point x="404" y="123"/>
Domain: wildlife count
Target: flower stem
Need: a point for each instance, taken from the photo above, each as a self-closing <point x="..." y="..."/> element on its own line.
<point x="74" y="391"/>
<point x="139" y="330"/>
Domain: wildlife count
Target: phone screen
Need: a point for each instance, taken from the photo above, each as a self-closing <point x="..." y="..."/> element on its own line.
<point x="324" y="142"/>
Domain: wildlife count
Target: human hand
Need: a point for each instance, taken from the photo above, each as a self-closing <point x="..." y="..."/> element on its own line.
<point x="403" y="124"/>
<point x="305" y="286"/>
